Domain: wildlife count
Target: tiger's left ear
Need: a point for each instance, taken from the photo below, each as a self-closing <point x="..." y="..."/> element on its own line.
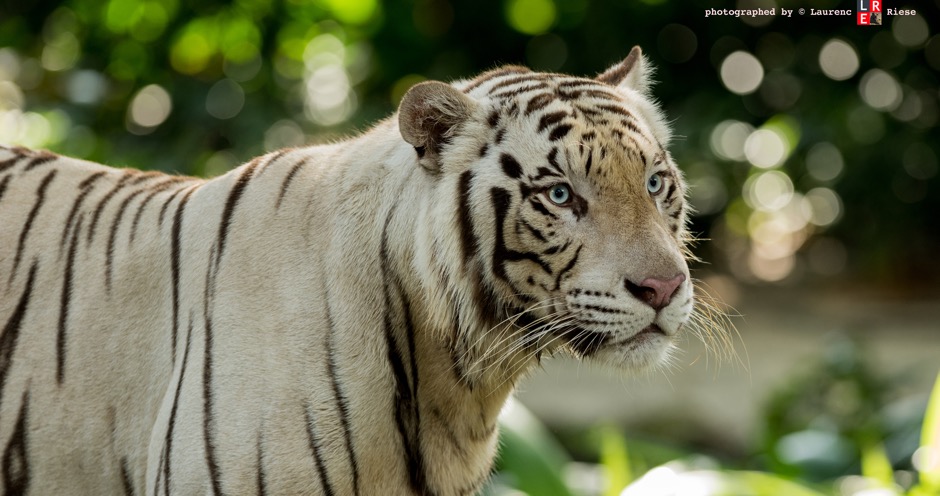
<point x="633" y="73"/>
<point x="429" y="115"/>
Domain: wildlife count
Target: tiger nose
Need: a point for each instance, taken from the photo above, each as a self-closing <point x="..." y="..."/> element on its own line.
<point x="654" y="291"/>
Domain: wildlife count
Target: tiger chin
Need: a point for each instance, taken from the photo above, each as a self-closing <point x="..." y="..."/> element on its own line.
<point x="339" y="319"/>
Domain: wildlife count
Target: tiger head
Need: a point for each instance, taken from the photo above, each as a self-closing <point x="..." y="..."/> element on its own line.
<point x="569" y="228"/>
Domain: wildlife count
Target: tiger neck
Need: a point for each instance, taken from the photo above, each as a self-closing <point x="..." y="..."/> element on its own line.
<point x="425" y="330"/>
<point x="444" y="389"/>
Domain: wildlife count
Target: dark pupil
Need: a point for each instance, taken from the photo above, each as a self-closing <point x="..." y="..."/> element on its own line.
<point x="559" y="193"/>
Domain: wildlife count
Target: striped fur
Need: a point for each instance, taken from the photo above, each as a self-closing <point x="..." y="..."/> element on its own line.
<point x="342" y="319"/>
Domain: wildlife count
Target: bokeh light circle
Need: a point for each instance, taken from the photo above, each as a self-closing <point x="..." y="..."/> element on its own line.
<point x="741" y="72"/>
<point x="838" y="59"/>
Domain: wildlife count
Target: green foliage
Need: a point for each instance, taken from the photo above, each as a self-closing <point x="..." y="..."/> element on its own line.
<point x="529" y="456"/>
<point x="530" y="461"/>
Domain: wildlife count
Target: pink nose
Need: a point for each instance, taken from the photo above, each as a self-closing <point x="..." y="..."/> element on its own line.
<point x="656" y="292"/>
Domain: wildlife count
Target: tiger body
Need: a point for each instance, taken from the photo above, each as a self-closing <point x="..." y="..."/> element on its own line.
<point x="339" y="319"/>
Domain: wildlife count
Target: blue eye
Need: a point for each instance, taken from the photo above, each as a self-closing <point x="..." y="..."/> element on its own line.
<point x="559" y="194"/>
<point x="655" y="184"/>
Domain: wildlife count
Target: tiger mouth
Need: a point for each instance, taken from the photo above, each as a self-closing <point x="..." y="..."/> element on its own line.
<point x="587" y="342"/>
<point x="645" y="334"/>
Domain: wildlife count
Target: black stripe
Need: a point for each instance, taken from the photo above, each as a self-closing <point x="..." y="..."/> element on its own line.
<point x="538" y="102"/>
<point x="3" y="185"/>
<point x="145" y="176"/>
<point x="154" y="191"/>
<point x="510" y="166"/>
<point x="11" y="162"/>
<point x="538" y="207"/>
<point x="671" y="191"/>
<point x="85" y="187"/>
<point x="317" y="456"/>
<point x="405" y="401"/>
<point x="237" y="190"/>
<point x="261" y="479"/>
<point x="166" y="203"/>
<point x="288" y="180"/>
<point x="16" y="455"/>
<point x="491" y="75"/>
<point x="535" y="232"/>
<point x="11" y="331"/>
<point x="341" y="401"/>
<point x="103" y="202"/>
<point x="590" y="160"/>
<point x="207" y="398"/>
<point x="677" y="213"/>
<point x="559" y="132"/>
<point x="577" y="83"/>
<point x="570" y="265"/>
<point x="579" y="207"/>
<point x="633" y="128"/>
<point x="543" y="172"/>
<point x="551" y="250"/>
<point x="483" y="149"/>
<point x="24" y="234"/>
<point x="176" y="236"/>
<point x="553" y="161"/>
<point x="616" y="109"/>
<point x="112" y="237"/>
<point x="64" y="303"/>
<point x="515" y="92"/>
<point x="551" y="119"/>
<point x="500" y="134"/>
<point x="493" y="119"/>
<point x="126" y="478"/>
<point x="168" y="443"/>
<point x="274" y="157"/>
<point x="468" y="239"/>
<point x="584" y="94"/>
<point x="501" y="200"/>
<point x="532" y="77"/>
<point x="45" y="158"/>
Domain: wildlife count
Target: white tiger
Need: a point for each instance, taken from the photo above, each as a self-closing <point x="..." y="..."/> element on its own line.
<point x="341" y="319"/>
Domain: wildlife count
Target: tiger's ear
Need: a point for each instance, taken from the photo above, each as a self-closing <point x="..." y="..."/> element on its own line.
<point x="429" y="115"/>
<point x="633" y="73"/>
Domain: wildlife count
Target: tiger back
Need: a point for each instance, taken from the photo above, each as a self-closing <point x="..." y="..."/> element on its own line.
<point x="339" y="319"/>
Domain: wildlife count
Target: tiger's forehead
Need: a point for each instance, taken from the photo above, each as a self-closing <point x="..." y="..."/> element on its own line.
<point x="590" y="124"/>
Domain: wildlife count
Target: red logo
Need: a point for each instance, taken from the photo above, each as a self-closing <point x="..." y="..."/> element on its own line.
<point x="869" y="13"/>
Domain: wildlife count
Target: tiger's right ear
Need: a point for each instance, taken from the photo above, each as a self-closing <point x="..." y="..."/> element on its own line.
<point x="430" y="114"/>
<point x="633" y="72"/>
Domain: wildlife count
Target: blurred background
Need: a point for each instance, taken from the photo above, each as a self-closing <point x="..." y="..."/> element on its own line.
<point x="811" y="148"/>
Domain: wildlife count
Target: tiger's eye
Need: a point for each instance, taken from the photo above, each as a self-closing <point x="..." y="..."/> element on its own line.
<point x="655" y="184"/>
<point x="559" y="194"/>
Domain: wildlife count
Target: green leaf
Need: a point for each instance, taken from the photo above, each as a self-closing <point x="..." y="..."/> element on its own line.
<point x="615" y="459"/>
<point x="875" y="465"/>
<point x="929" y="464"/>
